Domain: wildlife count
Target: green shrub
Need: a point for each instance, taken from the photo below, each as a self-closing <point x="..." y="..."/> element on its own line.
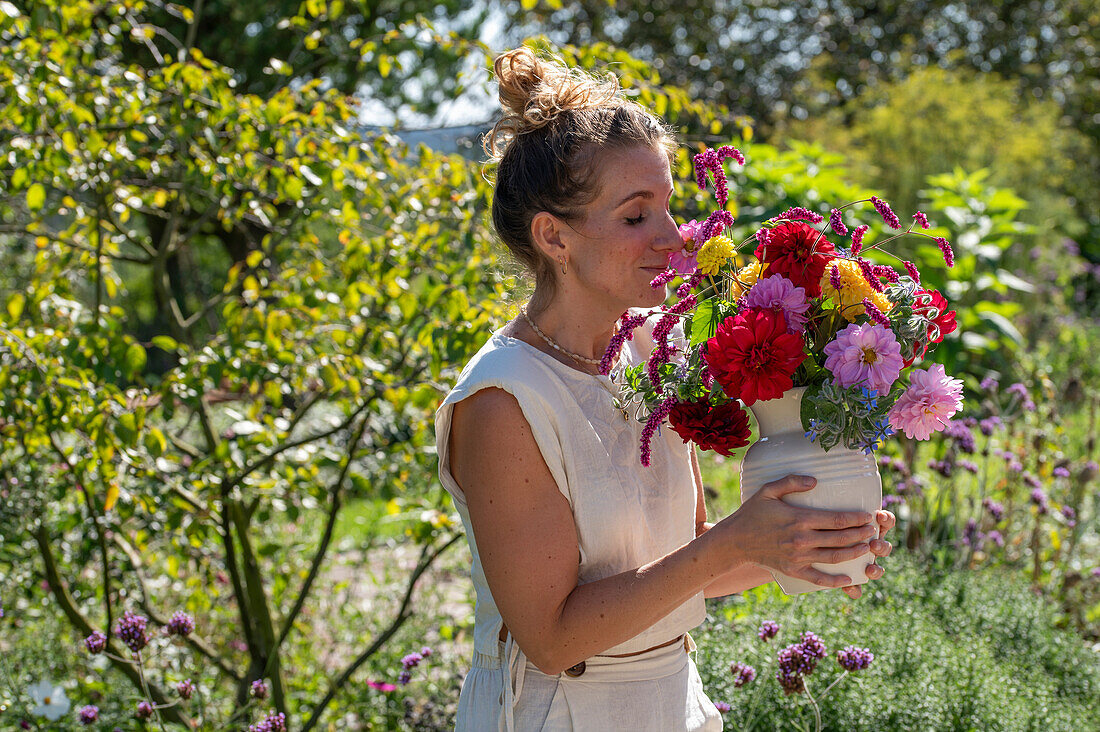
<point x="953" y="651"/>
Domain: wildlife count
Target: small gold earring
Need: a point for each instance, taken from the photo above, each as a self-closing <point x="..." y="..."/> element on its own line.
<point x="561" y="261"/>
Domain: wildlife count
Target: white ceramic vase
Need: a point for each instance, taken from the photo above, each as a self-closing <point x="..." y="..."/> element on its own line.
<point x="847" y="480"/>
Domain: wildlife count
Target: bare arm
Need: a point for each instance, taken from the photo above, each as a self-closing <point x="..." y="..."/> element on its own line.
<point x="527" y="541"/>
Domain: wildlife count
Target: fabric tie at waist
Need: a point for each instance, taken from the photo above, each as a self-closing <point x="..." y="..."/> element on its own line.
<point x="575" y="692"/>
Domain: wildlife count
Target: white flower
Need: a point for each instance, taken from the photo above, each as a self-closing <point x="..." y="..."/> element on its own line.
<point x="50" y="700"/>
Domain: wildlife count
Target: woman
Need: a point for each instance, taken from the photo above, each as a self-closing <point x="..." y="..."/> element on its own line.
<point x="590" y="569"/>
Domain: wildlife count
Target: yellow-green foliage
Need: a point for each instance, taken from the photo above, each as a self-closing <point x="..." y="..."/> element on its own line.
<point x="896" y="135"/>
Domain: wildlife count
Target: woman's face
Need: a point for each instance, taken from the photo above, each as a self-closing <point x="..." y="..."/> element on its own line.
<point x="624" y="239"/>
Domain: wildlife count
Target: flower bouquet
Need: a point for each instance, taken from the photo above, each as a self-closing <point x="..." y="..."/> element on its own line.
<point x="808" y="333"/>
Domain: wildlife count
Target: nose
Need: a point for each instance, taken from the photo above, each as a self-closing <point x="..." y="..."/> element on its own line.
<point x="668" y="238"/>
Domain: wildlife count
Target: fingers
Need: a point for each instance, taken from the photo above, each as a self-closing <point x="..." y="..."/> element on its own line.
<point x="825" y="580"/>
<point x="819" y="519"/>
<point x="881" y="548"/>
<point x="874" y="571"/>
<point x="886" y="521"/>
<point x="788" y="484"/>
<point x="853" y="591"/>
<point x="844" y="537"/>
<point x="836" y="556"/>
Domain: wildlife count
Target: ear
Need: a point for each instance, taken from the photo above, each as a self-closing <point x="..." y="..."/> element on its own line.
<point x="546" y="234"/>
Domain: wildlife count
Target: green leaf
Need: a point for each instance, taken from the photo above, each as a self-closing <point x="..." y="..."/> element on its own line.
<point x="36" y="197"/>
<point x="15" y="305"/>
<point x="135" y="358"/>
<point x="704" y="322"/>
<point x="165" y="343"/>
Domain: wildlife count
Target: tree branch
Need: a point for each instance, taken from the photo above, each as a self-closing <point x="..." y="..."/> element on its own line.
<point x="427" y="558"/>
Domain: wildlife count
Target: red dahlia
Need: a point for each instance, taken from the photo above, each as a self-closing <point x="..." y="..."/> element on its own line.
<point x="939" y="316"/>
<point x="788" y="253"/>
<point x="723" y="428"/>
<point x="753" y="356"/>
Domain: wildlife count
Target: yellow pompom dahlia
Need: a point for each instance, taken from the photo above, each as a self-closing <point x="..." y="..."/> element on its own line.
<point x="853" y="288"/>
<point x="747" y="276"/>
<point x="715" y="253"/>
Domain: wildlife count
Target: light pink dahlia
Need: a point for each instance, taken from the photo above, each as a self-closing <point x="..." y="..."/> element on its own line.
<point x="781" y="295"/>
<point x="928" y="404"/>
<point x="864" y="355"/>
<point x="683" y="261"/>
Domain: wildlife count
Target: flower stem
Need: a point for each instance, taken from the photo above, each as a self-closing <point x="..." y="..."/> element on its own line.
<point x="817" y="712"/>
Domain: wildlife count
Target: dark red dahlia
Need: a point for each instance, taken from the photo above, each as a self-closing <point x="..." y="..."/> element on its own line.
<point x="788" y="253"/>
<point x="723" y="428"/>
<point x="753" y="356"/>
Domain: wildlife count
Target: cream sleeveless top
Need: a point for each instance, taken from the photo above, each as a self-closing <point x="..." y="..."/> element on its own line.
<point x="626" y="515"/>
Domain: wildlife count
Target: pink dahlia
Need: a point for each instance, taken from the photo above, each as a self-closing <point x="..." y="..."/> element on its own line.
<point x="753" y="356"/>
<point x="928" y="404"/>
<point x="864" y="355"/>
<point x="781" y="295"/>
<point x="683" y="261"/>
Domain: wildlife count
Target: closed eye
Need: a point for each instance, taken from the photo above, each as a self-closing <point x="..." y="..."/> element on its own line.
<point x="636" y="220"/>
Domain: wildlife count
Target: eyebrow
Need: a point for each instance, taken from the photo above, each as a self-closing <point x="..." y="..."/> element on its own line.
<point x="635" y="194"/>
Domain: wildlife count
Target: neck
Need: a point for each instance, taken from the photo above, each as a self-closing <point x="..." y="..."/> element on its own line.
<point x="573" y="327"/>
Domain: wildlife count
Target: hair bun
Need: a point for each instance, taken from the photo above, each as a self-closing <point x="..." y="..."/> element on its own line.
<point x="533" y="91"/>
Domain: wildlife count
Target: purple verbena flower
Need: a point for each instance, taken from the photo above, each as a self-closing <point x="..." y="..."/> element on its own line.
<point x="180" y="624"/>
<point x="989" y="384"/>
<point x="404" y="678"/>
<point x="96" y="642"/>
<point x="144" y="710"/>
<point x="1039" y="498"/>
<point x="968" y="466"/>
<point x="989" y="425"/>
<point x="1032" y="481"/>
<point x="426" y="651"/>
<point x="258" y="689"/>
<point x="271" y="723"/>
<point x="1061" y="472"/>
<point x="891" y="500"/>
<point x="768" y="629"/>
<point x="131" y="629"/>
<point x="722" y="706"/>
<point x="995" y="537"/>
<point x="921" y="219"/>
<point x="411" y="661"/>
<point x="89" y="714"/>
<point x="742" y="674"/>
<point x="854" y="659"/>
<point x="185" y="689"/>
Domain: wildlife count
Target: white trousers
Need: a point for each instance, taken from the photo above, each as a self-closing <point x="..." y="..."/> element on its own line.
<point x="659" y="691"/>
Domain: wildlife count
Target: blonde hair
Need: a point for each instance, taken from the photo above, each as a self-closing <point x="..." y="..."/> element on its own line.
<point x="547" y="145"/>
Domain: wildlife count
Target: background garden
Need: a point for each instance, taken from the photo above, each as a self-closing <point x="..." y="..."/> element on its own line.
<point x="232" y="295"/>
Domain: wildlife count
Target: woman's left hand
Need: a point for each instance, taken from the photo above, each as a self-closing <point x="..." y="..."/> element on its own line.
<point x="879" y="547"/>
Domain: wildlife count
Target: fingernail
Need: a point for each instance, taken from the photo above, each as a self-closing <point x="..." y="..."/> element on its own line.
<point x="806" y="480"/>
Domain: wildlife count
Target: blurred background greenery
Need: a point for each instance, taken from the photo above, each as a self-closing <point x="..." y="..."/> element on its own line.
<point x="235" y="286"/>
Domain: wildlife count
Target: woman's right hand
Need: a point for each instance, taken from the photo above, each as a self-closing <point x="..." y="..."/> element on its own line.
<point x="769" y="531"/>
